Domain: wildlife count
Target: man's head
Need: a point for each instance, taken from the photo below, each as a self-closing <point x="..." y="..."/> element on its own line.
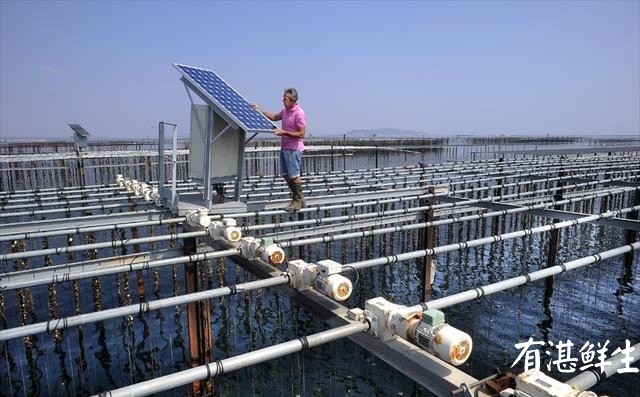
<point x="290" y="97"/>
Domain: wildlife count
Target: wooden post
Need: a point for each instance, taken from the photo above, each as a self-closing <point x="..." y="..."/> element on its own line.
<point x="80" y="170"/>
<point x="139" y="276"/>
<point x="553" y="248"/>
<point x="427" y="239"/>
<point x="199" y="324"/>
<point x="344" y="152"/>
<point x="498" y="191"/>
<point x="136" y="249"/>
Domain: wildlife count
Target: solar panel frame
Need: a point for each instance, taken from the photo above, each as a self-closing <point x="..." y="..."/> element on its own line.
<point x="79" y="130"/>
<point x="227" y="113"/>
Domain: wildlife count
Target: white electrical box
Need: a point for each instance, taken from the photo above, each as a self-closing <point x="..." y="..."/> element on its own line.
<point x="227" y="146"/>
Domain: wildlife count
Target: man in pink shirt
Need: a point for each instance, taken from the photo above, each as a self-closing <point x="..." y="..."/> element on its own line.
<point x="294" y="127"/>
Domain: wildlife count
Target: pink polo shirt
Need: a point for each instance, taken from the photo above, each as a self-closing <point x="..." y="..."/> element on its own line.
<point x="292" y="120"/>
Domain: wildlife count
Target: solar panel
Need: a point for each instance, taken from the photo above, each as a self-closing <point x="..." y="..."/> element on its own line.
<point x="225" y="99"/>
<point x="79" y="130"/>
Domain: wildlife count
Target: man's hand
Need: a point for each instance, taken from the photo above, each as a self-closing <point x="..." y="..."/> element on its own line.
<point x="255" y="106"/>
<point x="278" y="132"/>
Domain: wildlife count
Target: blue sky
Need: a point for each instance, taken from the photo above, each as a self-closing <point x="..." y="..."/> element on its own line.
<point x="510" y="67"/>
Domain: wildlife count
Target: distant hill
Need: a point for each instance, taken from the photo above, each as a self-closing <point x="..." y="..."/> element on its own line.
<point x="384" y="133"/>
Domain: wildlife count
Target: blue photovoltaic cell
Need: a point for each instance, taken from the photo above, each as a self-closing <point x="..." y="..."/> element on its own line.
<point x="233" y="103"/>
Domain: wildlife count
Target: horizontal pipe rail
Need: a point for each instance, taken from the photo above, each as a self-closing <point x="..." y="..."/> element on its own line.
<point x="387" y="260"/>
<point x="513" y="282"/>
<point x="474" y="174"/>
<point x="438" y="168"/>
<point x="112" y="244"/>
<point x="587" y="379"/>
<point x="24" y="236"/>
<point x="139" y="308"/>
<point x="61" y="275"/>
<point x="74" y="209"/>
<point x="67" y="272"/>
<point x="88" y="229"/>
<point x="227" y="365"/>
<point x="284" y="243"/>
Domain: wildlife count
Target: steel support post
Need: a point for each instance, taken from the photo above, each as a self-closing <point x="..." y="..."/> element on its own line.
<point x="206" y="171"/>
<point x="240" y="165"/>
<point x="199" y="324"/>
<point x="301" y="248"/>
<point x="161" y="177"/>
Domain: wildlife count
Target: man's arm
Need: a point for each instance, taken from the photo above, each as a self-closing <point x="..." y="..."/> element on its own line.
<point x="302" y="130"/>
<point x="270" y="116"/>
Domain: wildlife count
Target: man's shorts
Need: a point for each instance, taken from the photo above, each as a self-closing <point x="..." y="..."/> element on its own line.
<point x="290" y="161"/>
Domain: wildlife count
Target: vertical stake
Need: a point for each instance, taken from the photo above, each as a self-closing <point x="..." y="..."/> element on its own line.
<point x="344" y="152"/>
<point x="427" y="237"/>
<point x="139" y="276"/>
<point x="80" y="170"/>
<point x="199" y="324"/>
<point x="553" y="251"/>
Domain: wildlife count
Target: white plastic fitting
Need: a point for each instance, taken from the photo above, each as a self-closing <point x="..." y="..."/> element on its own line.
<point x="302" y="274"/>
<point x="226" y="230"/>
<point x="427" y="330"/>
<point x="131" y="185"/>
<point x="128" y="184"/>
<point x="155" y="196"/>
<point x="451" y="345"/>
<point x="247" y="247"/>
<point x="120" y="180"/>
<point x="322" y="276"/>
<point x="232" y="234"/>
<point x="537" y="383"/>
<point x="271" y="254"/>
<point x="140" y="188"/>
<point x="149" y="192"/>
<point x="379" y="312"/>
<point x="198" y="218"/>
<point x="229" y="222"/>
<point x="330" y="282"/>
<point x="335" y="286"/>
<point x="441" y="339"/>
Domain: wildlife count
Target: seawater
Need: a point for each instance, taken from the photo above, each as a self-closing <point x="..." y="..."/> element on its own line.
<point x="596" y="304"/>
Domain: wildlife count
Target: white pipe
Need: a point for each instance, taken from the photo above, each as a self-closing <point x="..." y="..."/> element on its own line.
<point x="513" y="282"/>
<point x="113" y="244"/>
<point x="226" y="365"/>
<point x="485" y="240"/>
<point x="587" y="379"/>
<point x="139" y="308"/>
